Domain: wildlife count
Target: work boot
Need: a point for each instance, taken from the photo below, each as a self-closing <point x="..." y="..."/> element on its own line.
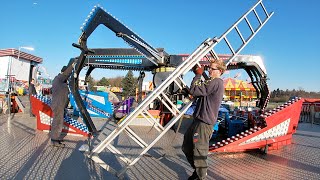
<point x="57" y="143"/>
<point x="194" y="176"/>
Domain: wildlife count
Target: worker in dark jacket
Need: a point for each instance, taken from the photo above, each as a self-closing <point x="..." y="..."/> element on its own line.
<point x="208" y="94"/>
<point x="32" y="92"/>
<point x="60" y="100"/>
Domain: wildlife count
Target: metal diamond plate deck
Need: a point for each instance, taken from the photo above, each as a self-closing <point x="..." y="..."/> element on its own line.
<point x="25" y="153"/>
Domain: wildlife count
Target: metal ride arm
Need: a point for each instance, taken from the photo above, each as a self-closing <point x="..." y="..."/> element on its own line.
<point x="99" y="16"/>
<point x="259" y="82"/>
<point x="74" y="86"/>
<point x="90" y="69"/>
<point x="140" y="81"/>
<point x="254" y="67"/>
<point x="159" y="93"/>
<point x="119" y="58"/>
<point x="129" y="59"/>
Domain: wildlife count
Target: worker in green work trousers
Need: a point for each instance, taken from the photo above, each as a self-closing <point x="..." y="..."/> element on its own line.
<point x="208" y="94"/>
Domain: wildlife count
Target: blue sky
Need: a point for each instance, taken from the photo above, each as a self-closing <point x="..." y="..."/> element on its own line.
<point x="288" y="43"/>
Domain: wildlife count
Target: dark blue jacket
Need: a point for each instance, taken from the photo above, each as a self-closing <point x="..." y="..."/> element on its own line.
<point x="60" y="90"/>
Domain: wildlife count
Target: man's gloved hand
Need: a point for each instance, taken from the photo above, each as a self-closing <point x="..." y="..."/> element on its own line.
<point x="185" y="91"/>
<point x="198" y="70"/>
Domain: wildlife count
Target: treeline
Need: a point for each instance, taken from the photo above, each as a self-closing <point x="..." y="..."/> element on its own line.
<point x="113" y="82"/>
<point x="282" y="96"/>
<point x="128" y="83"/>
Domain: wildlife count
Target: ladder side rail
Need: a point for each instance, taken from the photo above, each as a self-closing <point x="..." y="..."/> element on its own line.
<point x="176" y="118"/>
<point x="145" y="103"/>
<point x="167" y="127"/>
<point x="122" y="157"/>
<point x="204" y="48"/>
<point x="116" y="132"/>
<point x="174" y="75"/>
<point x="194" y="57"/>
<point x="198" y="63"/>
<point x="100" y="162"/>
<point x="210" y="44"/>
<point x="151" y="97"/>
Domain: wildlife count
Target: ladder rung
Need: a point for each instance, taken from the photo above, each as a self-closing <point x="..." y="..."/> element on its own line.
<point x="181" y="80"/>
<point x="169" y="108"/>
<point x="264" y="9"/>
<point x="154" y="121"/>
<point x="229" y="45"/>
<point x="167" y="127"/>
<point x="247" y="20"/>
<point x="116" y="151"/>
<point x="159" y="93"/>
<point x="248" y="39"/>
<point x="257" y="16"/>
<point x="213" y="54"/>
<point x="207" y="57"/>
<point x="239" y="33"/>
<point x="183" y="68"/>
<point x="105" y="166"/>
<point x="170" y="102"/>
<point x="135" y="137"/>
<point x="177" y="83"/>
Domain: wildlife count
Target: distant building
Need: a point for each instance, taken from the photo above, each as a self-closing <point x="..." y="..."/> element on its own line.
<point x="18" y="65"/>
<point x="146" y="88"/>
<point x="238" y="90"/>
<point x="81" y="83"/>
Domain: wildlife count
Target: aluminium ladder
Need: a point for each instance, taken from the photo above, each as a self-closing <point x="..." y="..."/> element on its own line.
<point x="205" y="49"/>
